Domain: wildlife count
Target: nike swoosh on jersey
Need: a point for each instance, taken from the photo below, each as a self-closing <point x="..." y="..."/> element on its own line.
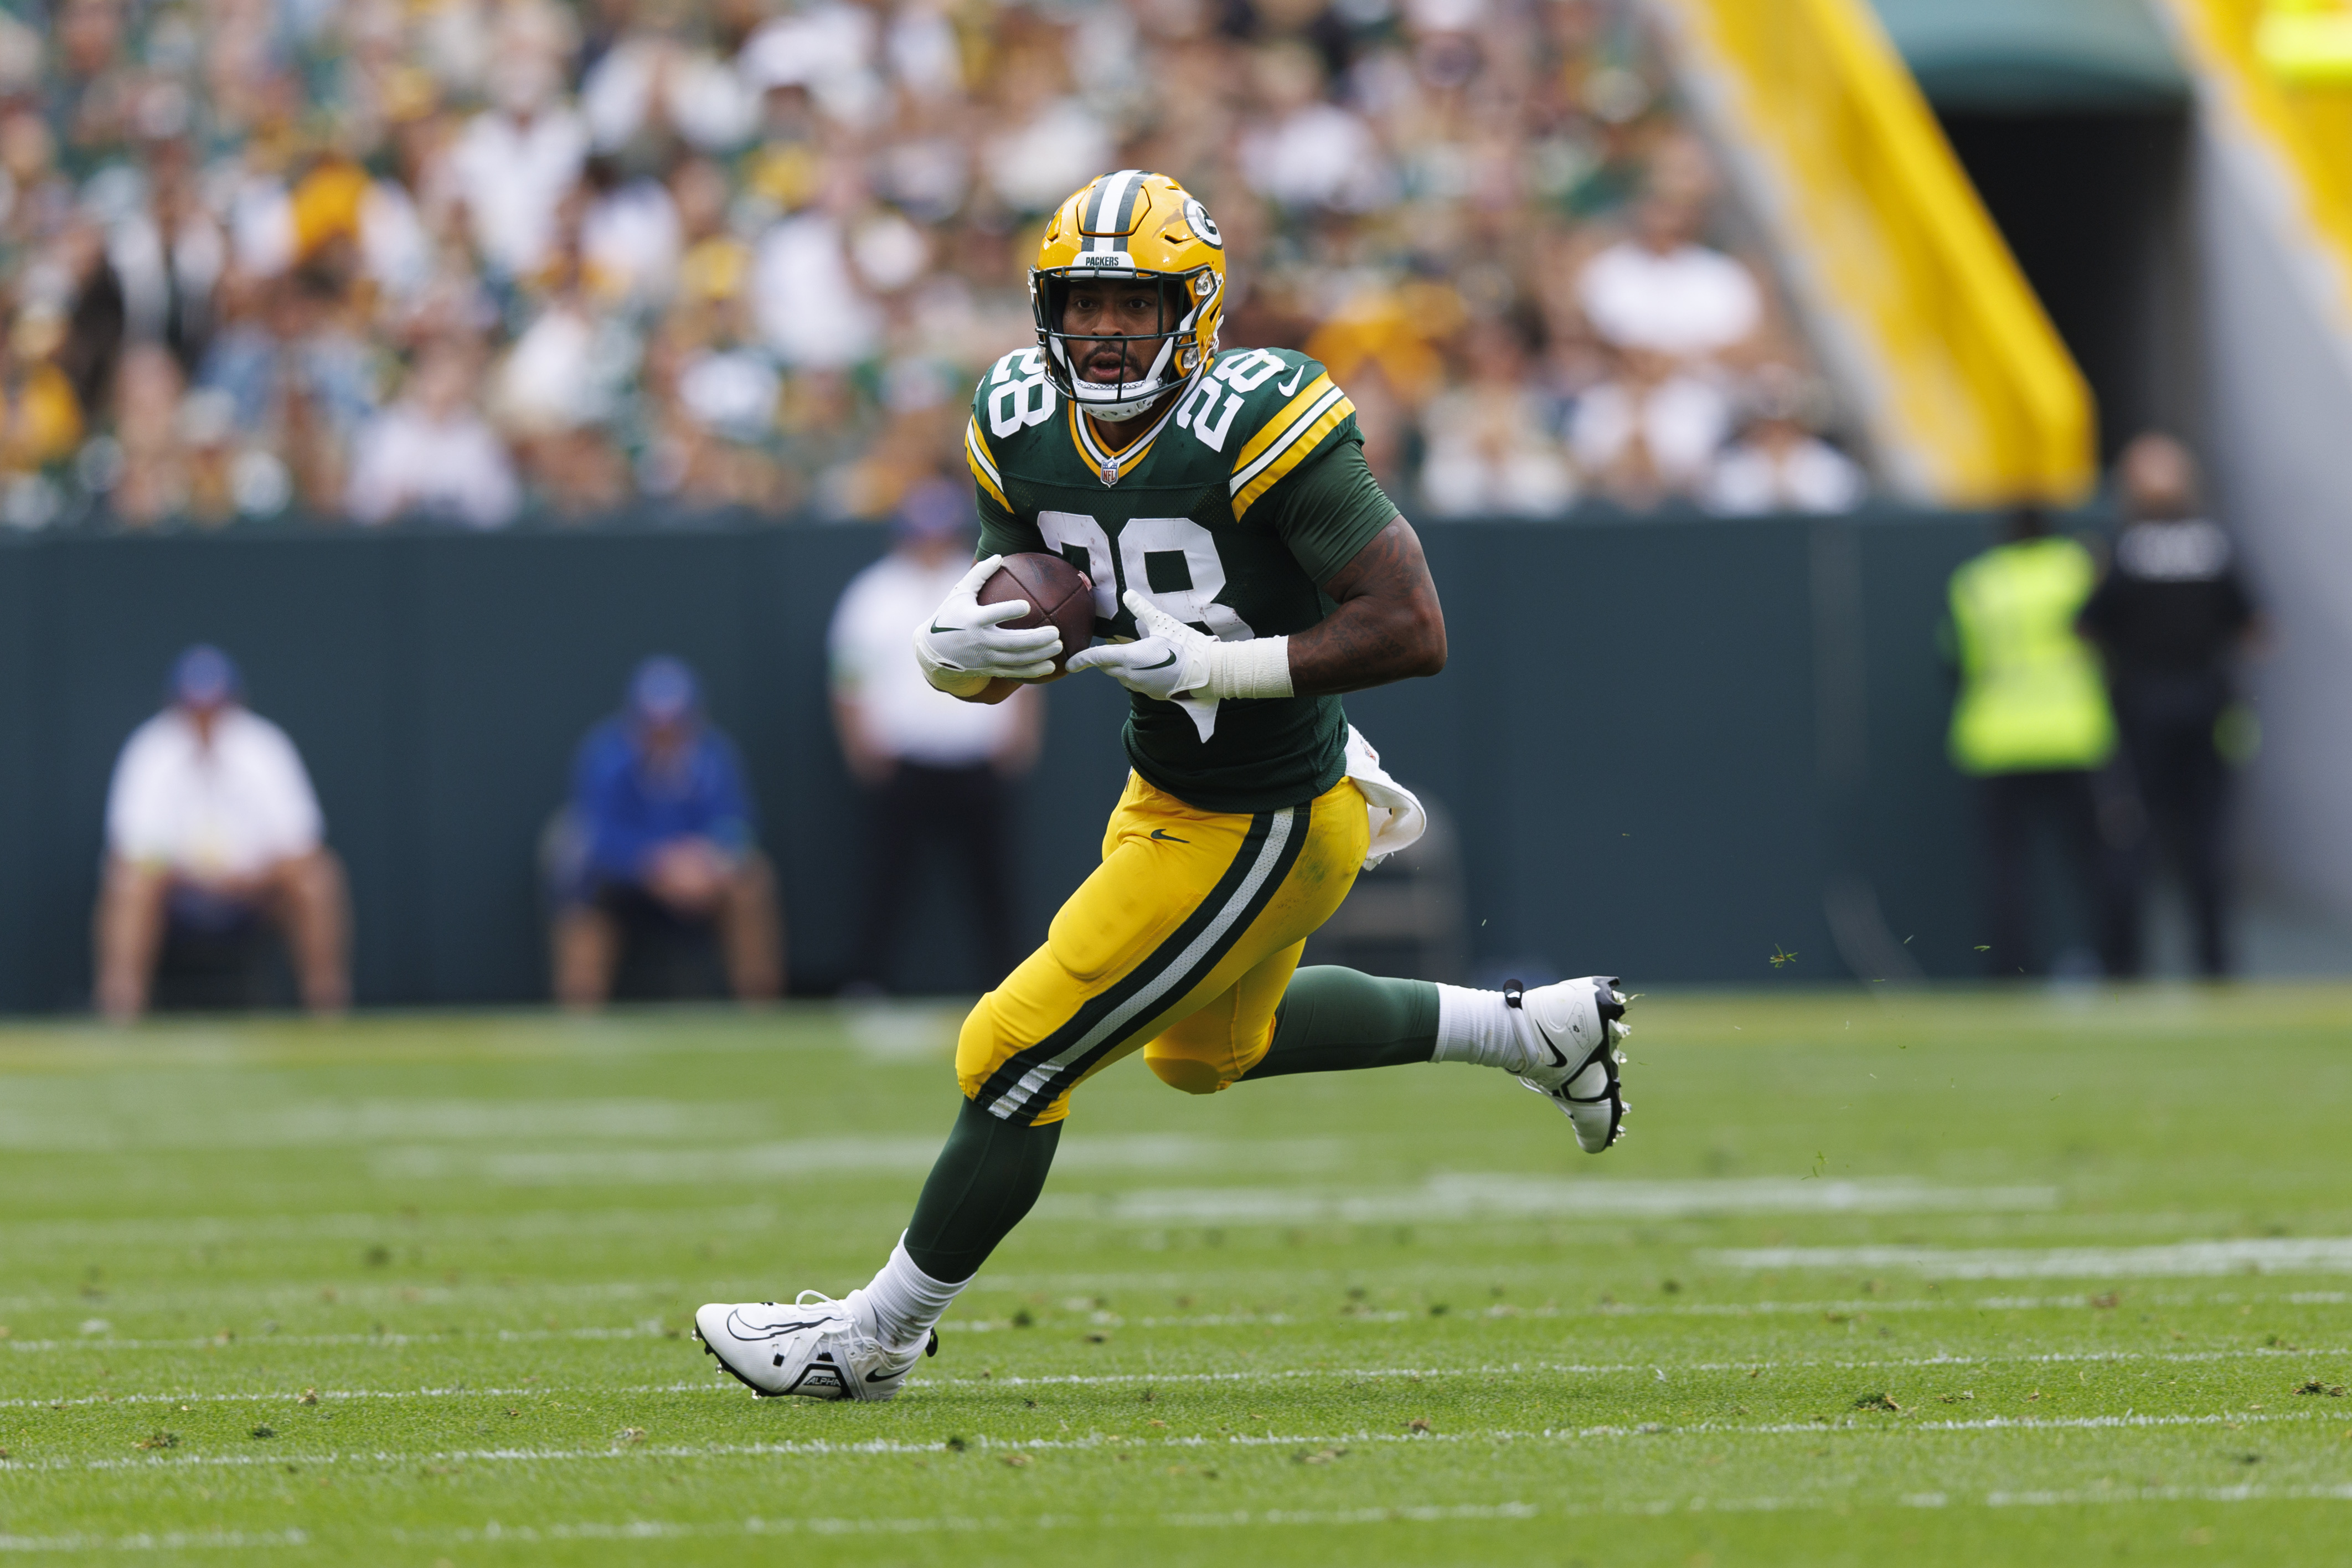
<point x="1292" y="389"/>
<point x="1162" y="833"/>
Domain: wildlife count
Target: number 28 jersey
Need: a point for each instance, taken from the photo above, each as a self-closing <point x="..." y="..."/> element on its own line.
<point x="1231" y="508"/>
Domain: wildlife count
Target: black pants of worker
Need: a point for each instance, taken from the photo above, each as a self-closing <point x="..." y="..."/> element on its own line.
<point x="2081" y="810"/>
<point x="930" y="814"/>
<point x="2184" y="786"/>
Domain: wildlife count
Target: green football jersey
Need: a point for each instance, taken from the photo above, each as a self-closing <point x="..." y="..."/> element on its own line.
<point x="1230" y="511"/>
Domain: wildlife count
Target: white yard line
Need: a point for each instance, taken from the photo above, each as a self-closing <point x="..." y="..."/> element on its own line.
<point x="1450" y="1197"/>
<point x="2185" y="1259"/>
<point x="821" y="1447"/>
<point x="1239" y="1519"/>
<point x="379" y="1341"/>
<point x="1657" y="1368"/>
<point x="1856" y="1308"/>
<point x="167" y="1540"/>
<point x="335" y="1395"/>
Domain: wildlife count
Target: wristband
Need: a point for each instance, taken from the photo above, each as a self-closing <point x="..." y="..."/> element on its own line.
<point x="1258" y="668"/>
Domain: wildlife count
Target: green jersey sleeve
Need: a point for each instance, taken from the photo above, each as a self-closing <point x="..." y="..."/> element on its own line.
<point x="1330" y="508"/>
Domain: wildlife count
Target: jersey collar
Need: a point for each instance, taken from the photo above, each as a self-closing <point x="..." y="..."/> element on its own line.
<point x="1112" y="465"/>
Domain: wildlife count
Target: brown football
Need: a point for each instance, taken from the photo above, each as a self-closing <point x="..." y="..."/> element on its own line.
<point x="1059" y="595"/>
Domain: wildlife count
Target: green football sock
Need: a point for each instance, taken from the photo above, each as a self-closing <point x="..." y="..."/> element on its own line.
<point x="983" y="1182"/>
<point x="1337" y="1020"/>
<point x="989" y="1175"/>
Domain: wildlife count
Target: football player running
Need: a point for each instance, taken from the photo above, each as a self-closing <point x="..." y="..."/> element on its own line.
<point x="1246" y="571"/>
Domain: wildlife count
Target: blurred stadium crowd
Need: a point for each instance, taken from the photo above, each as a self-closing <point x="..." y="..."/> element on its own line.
<point x="370" y="258"/>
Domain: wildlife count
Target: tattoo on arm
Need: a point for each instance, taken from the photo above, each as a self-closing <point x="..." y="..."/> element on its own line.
<point x="1388" y="627"/>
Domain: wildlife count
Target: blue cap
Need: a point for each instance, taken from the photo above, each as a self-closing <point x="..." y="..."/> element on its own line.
<point x="932" y="509"/>
<point x="203" y="676"/>
<point x="663" y="690"/>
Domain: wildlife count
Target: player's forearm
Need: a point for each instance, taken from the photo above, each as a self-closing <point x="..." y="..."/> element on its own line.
<point x="1387" y="626"/>
<point x="1369" y="642"/>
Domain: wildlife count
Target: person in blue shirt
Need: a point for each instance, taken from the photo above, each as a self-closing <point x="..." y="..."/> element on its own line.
<point x="659" y="833"/>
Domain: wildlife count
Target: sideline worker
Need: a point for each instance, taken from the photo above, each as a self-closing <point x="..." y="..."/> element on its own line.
<point x="2172" y="616"/>
<point x="938" y="772"/>
<point x="212" y="828"/>
<point x="663" y="825"/>
<point x="2031" y="724"/>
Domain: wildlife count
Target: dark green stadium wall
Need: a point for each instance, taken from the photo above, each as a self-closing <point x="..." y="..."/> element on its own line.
<point x="1672" y="747"/>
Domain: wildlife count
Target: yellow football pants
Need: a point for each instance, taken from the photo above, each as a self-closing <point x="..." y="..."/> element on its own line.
<point x="1181" y="942"/>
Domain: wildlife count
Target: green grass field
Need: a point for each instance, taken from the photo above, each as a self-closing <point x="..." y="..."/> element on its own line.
<point x="1967" y="1280"/>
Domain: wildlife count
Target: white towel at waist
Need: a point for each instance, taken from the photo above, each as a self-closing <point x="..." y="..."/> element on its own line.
<point x="1398" y="819"/>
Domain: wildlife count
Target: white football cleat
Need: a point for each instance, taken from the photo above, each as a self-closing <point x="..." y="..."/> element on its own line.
<point x="813" y="1348"/>
<point x="1575" y="1028"/>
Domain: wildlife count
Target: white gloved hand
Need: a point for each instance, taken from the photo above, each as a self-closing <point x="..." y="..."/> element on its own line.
<point x="1175" y="663"/>
<point x="1166" y="659"/>
<point x="967" y="644"/>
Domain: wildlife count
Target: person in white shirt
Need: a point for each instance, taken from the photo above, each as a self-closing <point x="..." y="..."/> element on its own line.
<point x="1779" y="465"/>
<point x="513" y="162"/>
<point x="935" y="769"/>
<point x="1662" y="292"/>
<point x="211" y="823"/>
<point x="1650" y="430"/>
<point x="431" y="453"/>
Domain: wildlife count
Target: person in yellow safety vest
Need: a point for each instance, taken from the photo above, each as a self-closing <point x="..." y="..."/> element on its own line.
<point x="2033" y="727"/>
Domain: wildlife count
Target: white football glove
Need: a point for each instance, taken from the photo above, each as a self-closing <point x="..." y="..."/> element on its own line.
<point x="1166" y="658"/>
<point x="967" y="645"/>
<point x="1174" y="663"/>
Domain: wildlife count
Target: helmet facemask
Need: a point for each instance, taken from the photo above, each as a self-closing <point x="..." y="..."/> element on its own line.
<point x="1171" y="356"/>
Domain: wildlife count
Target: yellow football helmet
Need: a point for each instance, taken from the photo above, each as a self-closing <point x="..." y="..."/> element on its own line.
<point x="1132" y="225"/>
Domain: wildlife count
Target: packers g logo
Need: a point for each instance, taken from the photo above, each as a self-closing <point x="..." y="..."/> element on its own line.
<point x="1196" y="218"/>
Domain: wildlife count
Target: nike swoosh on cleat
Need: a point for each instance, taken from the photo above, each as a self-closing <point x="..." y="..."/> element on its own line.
<point x="750" y="1331"/>
<point x="880" y="1376"/>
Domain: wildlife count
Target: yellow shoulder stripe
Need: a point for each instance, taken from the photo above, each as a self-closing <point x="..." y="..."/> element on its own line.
<point x="1291" y="413"/>
<point x="1306" y="439"/>
<point x="983" y="463"/>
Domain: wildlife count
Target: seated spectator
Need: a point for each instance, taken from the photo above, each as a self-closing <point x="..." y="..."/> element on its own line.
<point x="661" y="78"/>
<point x="296" y="199"/>
<point x="212" y="829"/>
<point x="1649" y="431"/>
<point x="151" y="485"/>
<point x="1491" y="447"/>
<point x="431" y="453"/>
<point x="40" y="420"/>
<point x="513" y="163"/>
<point x="1662" y="292"/>
<point x="935" y="769"/>
<point x="662" y="827"/>
<point x="292" y="357"/>
<point x="1779" y="465"/>
<point x="1307" y="151"/>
